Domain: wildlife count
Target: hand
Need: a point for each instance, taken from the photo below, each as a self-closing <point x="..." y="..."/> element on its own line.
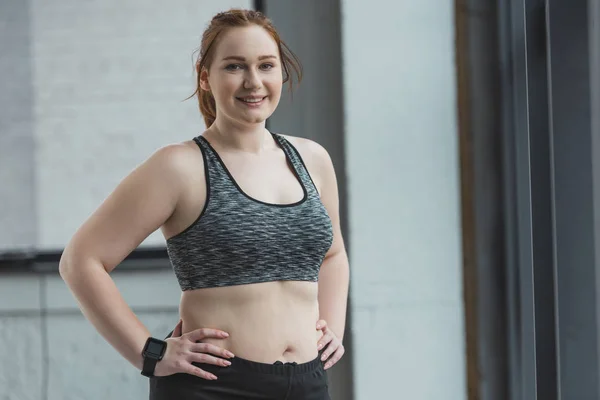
<point x="334" y="350"/>
<point x="182" y="350"/>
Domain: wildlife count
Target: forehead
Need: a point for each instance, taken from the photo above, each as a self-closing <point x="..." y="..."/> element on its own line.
<point x="249" y="42"/>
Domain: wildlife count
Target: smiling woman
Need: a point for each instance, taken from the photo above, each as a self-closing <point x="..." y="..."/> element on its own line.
<point x="251" y="223"/>
<point x="278" y="62"/>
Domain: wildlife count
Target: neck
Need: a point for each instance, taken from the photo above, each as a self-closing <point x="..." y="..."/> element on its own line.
<point x="246" y="138"/>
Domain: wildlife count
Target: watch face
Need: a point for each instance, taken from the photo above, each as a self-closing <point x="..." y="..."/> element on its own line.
<point x="155" y="348"/>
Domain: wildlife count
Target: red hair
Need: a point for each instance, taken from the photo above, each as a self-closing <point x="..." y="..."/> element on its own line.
<point x="235" y="18"/>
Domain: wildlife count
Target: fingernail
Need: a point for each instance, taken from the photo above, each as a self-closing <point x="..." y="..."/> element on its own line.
<point x="229" y="354"/>
<point x="328" y="365"/>
<point x="324" y="357"/>
<point x="320" y="345"/>
<point x="214" y="377"/>
<point x="318" y="326"/>
<point x="225" y="334"/>
<point x="226" y="363"/>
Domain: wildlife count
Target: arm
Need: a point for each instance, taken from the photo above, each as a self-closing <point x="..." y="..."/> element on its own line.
<point x="334" y="273"/>
<point x="139" y="205"/>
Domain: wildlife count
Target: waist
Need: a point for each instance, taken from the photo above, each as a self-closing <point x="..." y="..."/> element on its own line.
<point x="266" y="322"/>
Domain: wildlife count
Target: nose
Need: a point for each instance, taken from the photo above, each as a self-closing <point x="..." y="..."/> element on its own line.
<point x="252" y="80"/>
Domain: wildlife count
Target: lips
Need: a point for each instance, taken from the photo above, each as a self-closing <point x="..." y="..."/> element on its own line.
<point x="252" y="101"/>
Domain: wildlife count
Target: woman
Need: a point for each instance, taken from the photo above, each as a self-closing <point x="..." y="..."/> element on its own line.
<point x="252" y="229"/>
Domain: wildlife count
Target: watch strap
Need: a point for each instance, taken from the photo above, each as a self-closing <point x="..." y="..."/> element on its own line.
<point x="149" y="366"/>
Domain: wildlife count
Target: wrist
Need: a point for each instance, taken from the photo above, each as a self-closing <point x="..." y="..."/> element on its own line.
<point x="138" y="360"/>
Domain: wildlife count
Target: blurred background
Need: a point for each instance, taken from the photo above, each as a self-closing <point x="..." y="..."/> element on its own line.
<point x="466" y="140"/>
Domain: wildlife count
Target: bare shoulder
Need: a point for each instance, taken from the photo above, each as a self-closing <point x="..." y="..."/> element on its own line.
<point x="173" y="164"/>
<point x="175" y="157"/>
<point x="311" y="151"/>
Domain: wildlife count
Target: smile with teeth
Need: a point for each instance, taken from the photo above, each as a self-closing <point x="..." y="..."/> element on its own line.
<point x="251" y="100"/>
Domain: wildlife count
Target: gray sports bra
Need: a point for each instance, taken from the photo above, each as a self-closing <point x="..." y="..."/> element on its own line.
<point x="238" y="240"/>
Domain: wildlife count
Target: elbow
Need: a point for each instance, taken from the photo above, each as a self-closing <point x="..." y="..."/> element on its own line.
<point x="68" y="263"/>
<point x="76" y="264"/>
<point x="64" y="266"/>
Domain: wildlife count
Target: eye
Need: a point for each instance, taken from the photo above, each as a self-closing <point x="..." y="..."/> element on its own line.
<point x="233" y="67"/>
<point x="267" y="66"/>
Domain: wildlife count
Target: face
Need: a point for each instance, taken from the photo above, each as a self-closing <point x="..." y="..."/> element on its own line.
<point x="245" y="76"/>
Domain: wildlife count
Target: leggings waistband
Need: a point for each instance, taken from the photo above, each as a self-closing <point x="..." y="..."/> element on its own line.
<point x="278" y="368"/>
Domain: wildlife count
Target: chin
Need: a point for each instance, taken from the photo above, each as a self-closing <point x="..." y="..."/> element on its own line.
<point x="255" y="119"/>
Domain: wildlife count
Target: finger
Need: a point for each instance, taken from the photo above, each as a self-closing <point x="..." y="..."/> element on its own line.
<point x="202" y="333"/>
<point x="177" y="330"/>
<point x="325" y="339"/>
<point x="204" y="358"/>
<point x="335" y="357"/>
<point x="321" y="324"/>
<point x="331" y="348"/>
<point x="212" y="349"/>
<point x="193" y="370"/>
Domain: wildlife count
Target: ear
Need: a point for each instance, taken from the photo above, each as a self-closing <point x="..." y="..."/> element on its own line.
<point x="204" y="85"/>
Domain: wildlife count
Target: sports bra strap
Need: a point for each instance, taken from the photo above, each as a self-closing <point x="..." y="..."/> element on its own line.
<point x="298" y="164"/>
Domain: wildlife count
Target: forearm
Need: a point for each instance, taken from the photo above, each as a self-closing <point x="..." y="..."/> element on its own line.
<point x="334" y="280"/>
<point x="103" y="305"/>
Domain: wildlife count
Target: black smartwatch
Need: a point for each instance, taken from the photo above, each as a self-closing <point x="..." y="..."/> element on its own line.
<point x="153" y="352"/>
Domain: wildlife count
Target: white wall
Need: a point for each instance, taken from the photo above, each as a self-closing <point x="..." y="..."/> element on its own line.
<point x="403" y="188"/>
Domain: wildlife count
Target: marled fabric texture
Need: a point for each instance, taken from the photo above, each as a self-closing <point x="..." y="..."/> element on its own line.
<point x="239" y="240"/>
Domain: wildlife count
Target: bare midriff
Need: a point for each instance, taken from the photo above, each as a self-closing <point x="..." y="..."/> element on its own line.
<point x="266" y="322"/>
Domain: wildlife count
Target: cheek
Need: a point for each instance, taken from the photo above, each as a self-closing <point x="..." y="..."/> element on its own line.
<point x="224" y="91"/>
<point x="275" y="87"/>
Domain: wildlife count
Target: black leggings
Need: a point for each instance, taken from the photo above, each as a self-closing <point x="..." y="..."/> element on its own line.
<point x="245" y="379"/>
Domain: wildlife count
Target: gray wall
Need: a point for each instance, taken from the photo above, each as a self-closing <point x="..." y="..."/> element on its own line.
<point x="403" y="193"/>
<point x="17" y="197"/>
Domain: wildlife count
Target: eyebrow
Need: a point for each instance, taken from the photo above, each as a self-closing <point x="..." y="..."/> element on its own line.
<point x="240" y="58"/>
